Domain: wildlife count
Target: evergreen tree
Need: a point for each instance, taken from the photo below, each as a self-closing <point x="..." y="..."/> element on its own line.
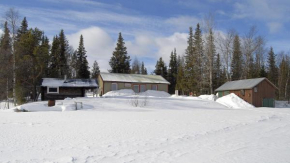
<point x="237" y="61"/>
<point x="63" y="55"/>
<point x="263" y="72"/>
<point x="180" y="86"/>
<point x="211" y="55"/>
<point x="23" y="29"/>
<point x="54" y="67"/>
<point x="82" y="63"/>
<point x="199" y="53"/>
<point x="95" y="70"/>
<point x="161" y="68"/>
<point x="272" y="68"/>
<point x="190" y="64"/>
<point x="143" y="69"/>
<point x="218" y="78"/>
<point x="120" y="61"/>
<point x="283" y="79"/>
<point x="172" y="71"/>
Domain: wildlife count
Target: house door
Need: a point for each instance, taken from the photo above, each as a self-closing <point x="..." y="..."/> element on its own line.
<point x="136" y="88"/>
<point x="142" y="88"/>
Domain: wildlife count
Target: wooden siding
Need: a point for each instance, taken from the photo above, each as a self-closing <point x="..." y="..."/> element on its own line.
<point x="64" y="92"/>
<point x="248" y="96"/>
<point x="265" y="90"/>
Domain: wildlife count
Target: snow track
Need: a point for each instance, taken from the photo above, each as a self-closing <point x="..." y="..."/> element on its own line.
<point x="167" y="130"/>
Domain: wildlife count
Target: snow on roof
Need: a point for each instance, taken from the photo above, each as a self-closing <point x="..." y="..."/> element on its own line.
<point x="242" y="84"/>
<point x="56" y="82"/>
<point x="133" y="78"/>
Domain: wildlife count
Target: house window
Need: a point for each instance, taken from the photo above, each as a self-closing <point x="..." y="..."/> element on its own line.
<point x="154" y="87"/>
<point x="243" y="92"/>
<point x="136" y="88"/>
<point x="52" y="89"/>
<point x="114" y="86"/>
<point x="142" y="88"/>
<point x="255" y="89"/>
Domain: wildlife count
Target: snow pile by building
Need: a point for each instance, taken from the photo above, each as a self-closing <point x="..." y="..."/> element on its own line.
<point x="211" y="97"/>
<point x="122" y="92"/>
<point x="152" y="93"/>
<point x="282" y="104"/>
<point x="233" y="101"/>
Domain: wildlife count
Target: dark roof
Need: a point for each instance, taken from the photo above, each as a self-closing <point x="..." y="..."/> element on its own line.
<point x="56" y="82"/>
<point x="133" y="78"/>
<point x="242" y="84"/>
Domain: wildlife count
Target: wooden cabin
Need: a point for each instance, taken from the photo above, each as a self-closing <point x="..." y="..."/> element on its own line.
<point x="59" y="89"/>
<point x="259" y="92"/>
<point x="137" y="82"/>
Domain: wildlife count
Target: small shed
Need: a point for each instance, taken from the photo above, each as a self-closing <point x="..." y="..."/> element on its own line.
<point x="59" y="89"/>
<point x="259" y="92"/>
<point x="136" y="82"/>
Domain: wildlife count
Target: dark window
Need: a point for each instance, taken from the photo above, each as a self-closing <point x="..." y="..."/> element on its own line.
<point x="52" y="90"/>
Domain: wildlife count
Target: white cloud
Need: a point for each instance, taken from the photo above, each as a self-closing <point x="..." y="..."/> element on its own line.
<point x="274" y="26"/>
<point x="98" y="43"/>
<point x="182" y="22"/>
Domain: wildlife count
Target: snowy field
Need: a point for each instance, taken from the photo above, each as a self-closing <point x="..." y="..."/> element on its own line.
<point x="166" y="130"/>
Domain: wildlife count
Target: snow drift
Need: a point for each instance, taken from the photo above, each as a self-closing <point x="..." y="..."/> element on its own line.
<point x="233" y="101"/>
<point x="130" y="92"/>
<point x="211" y="97"/>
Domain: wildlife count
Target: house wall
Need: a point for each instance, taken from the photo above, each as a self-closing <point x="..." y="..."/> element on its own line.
<point x="64" y="92"/>
<point x="265" y="90"/>
<point x="248" y="96"/>
<point x="107" y="86"/>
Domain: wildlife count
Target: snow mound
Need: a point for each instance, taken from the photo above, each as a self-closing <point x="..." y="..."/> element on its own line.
<point x="153" y="93"/>
<point x="122" y="92"/>
<point x="282" y="104"/>
<point x="211" y="97"/>
<point x="233" y="101"/>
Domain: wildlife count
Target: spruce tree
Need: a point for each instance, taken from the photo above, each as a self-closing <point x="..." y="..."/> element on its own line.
<point x="190" y="64"/>
<point x="263" y="72"/>
<point x="272" y="68"/>
<point x="180" y="82"/>
<point x="237" y="61"/>
<point x="82" y="63"/>
<point x="23" y="29"/>
<point x="161" y="68"/>
<point x="54" y="67"/>
<point x="143" y="69"/>
<point x="63" y="54"/>
<point x="172" y="71"/>
<point x="120" y="61"/>
<point x="199" y="53"/>
<point x="95" y="70"/>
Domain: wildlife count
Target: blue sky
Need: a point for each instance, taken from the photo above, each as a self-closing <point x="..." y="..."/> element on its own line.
<point x="151" y="28"/>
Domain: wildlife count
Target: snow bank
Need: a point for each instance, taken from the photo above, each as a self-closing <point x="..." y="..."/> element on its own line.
<point x="153" y="93"/>
<point x="233" y="101"/>
<point x="282" y="104"/>
<point x="211" y="97"/>
<point x="122" y="92"/>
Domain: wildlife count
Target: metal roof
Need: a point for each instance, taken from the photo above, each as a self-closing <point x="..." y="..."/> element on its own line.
<point x="56" y="82"/>
<point x="242" y="84"/>
<point x="133" y="78"/>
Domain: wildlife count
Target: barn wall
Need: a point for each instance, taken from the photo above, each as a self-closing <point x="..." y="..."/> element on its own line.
<point x="101" y="85"/>
<point x="64" y="92"/>
<point x="265" y="90"/>
<point x="107" y="86"/>
<point x="248" y="96"/>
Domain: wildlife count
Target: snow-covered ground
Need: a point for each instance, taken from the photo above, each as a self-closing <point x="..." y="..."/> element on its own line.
<point x="166" y="130"/>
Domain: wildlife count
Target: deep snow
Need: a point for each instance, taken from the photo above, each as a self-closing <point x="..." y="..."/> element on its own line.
<point x="169" y="129"/>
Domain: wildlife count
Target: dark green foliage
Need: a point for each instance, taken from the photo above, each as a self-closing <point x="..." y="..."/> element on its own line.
<point x="237" y="61"/>
<point x="219" y="76"/>
<point x="190" y="64"/>
<point x="272" y="68"/>
<point x="180" y="86"/>
<point x="172" y="71"/>
<point x="120" y="61"/>
<point x="82" y="63"/>
<point x="95" y="70"/>
<point x="263" y="72"/>
<point x="23" y="29"/>
<point x="143" y="69"/>
<point x="161" y="68"/>
<point x="63" y="54"/>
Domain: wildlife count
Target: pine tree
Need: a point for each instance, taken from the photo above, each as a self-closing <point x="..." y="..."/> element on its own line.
<point x="180" y="82"/>
<point x="63" y="54"/>
<point x="95" y="70"/>
<point x="237" y="61"/>
<point x="23" y="29"/>
<point x="283" y="79"/>
<point x="263" y="72"/>
<point x="190" y="64"/>
<point x="54" y="67"/>
<point x="172" y="71"/>
<point x="143" y="69"/>
<point x="272" y="68"/>
<point x="82" y="63"/>
<point x="161" y="68"/>
<point x="198" y="45"/>
<point x="120" y="61"/>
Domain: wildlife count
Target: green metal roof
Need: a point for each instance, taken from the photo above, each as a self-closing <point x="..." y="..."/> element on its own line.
<point x="133" y="78"/>
<point x="242" y="84"/>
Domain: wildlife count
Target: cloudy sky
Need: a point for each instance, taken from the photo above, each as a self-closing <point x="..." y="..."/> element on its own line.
<point x="151" y="28"/>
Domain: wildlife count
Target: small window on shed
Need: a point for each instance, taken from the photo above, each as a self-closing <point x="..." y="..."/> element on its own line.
<point x="243" y="92"/>
<point x="52" y="89"/>
<point x="255" y="89"/>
